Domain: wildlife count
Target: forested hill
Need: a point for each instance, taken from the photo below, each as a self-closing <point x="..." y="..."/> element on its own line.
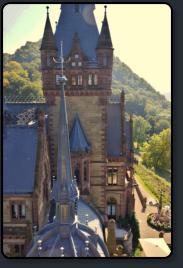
<point x="141" y="98"/>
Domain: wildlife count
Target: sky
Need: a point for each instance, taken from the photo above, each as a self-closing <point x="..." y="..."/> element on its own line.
<point x="141" y="35"/>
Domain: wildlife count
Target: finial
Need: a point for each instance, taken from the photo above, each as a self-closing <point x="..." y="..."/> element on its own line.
<point x="62" y="252"/>
<point x="47" y="9"/>
<point x="87" y="248"/>
<point x="105" y="10"/>
<point x="76" y="34"/>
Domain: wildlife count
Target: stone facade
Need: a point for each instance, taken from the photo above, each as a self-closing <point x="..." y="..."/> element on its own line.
<point x="87" y="91"/>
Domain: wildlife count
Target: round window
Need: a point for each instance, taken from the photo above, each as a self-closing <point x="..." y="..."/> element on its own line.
<point x="76" y="56"/>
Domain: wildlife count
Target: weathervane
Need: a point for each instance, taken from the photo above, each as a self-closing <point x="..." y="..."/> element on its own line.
<point x="61" y="60"/>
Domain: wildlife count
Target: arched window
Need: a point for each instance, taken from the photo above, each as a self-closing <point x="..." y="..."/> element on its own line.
<point x="90" y="79"/>
<point x="48" y="60"/>
<point x="76" y="171"/>
<point x="105" y="60"/>
<point x="95" y="79"/>
<point x="73" y="80"/>
<point x="85" y="171"/>
<point x="76" y="8"/>
<point x="79" y="80"/>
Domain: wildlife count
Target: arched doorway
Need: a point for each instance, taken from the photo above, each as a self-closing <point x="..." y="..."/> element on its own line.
<point x="111" y="208"/>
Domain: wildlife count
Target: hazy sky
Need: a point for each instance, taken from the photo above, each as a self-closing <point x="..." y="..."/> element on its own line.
<point x="141" y="34"/>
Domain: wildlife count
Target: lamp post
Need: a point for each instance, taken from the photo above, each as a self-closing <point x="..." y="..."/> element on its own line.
<point x="161" y="192"/>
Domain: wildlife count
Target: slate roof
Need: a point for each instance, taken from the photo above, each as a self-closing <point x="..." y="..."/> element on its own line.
<point x="78" y="139"/>
<point x="75" y="244"/>
<point x="105" y="37"/>
<point x="83" y="209"/>
<point x="48" y="41"/>
<point x="20" y="107"/>
<point x="19" y="159"/>
<point x="5" y="108"/>
<point x="114" y="130"/>
<point x="128" y="135"/>
<point x="85" y="25"/>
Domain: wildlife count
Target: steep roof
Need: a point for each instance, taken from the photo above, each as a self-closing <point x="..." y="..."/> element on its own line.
<point x="48" y="41"/>
<point x="104" y="40"/>
<point x="128" y="136"/>
<point x="19" y="159"/>
<point x="78" y="139"/>
<point x="114" y="130"/>
<point x="84" y="23"/>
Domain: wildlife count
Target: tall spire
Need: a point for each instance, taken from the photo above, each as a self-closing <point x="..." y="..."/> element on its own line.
<point x="65" y="190"/>
<point x="104" y="40"/>
<point x="48" y="41"/>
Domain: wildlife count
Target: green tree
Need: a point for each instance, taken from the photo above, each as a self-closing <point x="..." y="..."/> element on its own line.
<point x="157" y="153"/>
<point x="12" y="82"/>
<point x="140" y="130"/>
<point x="162" y="124"/>
<point x="152" y="122"/>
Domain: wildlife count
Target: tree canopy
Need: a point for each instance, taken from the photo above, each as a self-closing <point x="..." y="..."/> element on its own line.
<point x="140" y="130"/>
<point x="157" y="153"/>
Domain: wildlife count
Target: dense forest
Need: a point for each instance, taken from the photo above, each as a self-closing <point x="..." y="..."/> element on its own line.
<point x="22" y="75"/>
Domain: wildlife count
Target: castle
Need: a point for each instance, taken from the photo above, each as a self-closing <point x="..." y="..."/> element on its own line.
<point x="101" y="140"/>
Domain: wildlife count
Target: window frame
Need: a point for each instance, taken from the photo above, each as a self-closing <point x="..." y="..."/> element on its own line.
<point x="91" y="79"/>
<point x="94" y="80"/>
<point x="73" y="62"/>
<point x="17" y="203"/>
<point x="73" y="76"/>
<point x="85" y="168"/>
<point x="112" y="176"/>
<point x="78" y="80"/>
<point x="48" y="60"/>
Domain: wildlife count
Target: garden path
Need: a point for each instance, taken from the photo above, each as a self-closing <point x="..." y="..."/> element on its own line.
<point x="141" y="214"/>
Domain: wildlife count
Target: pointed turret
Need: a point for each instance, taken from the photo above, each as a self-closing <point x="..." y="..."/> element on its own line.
<point x="48" y="41"/>
<point x="78" y="139"/>
<point x="104" y="40"/>
<point x="65" y="191"/>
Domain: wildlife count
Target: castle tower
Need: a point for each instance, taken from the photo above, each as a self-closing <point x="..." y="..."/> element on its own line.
<point x="88" y="65"/>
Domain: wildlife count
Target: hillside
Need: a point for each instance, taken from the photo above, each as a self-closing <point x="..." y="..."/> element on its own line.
<point x="141" y="98"/>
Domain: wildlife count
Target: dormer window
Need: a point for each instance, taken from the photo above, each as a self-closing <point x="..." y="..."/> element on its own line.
<point x="73" y="64"/>
<point x="79" y="64"/>
<point x="76" y="8"/>
<point x="48" y="60"/>
<point x="76" y="56"/>
<point x="105" y="60"/>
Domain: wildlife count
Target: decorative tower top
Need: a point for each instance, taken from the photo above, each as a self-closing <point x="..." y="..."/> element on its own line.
<point x="84" y="23"/>
<point x="64" y="188"/>
<point x="104" y="40"/>
<point x="48" y="41"/>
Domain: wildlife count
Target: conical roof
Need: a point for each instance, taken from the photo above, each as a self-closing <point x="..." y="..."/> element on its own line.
<point x="48" y="41"/>
<point x="64" y="188"/>
<point x="104" y="40"/>
<point x="78" y="139"/>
